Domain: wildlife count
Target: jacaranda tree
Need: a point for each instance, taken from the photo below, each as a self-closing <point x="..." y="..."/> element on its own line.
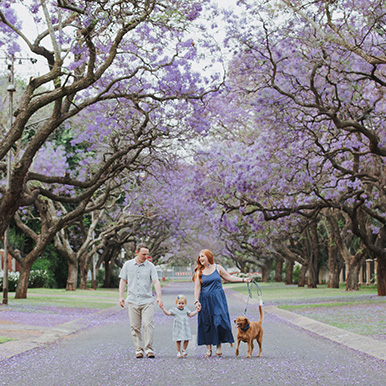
<point x="306" y="84"/>
<point x="102" y="57"/>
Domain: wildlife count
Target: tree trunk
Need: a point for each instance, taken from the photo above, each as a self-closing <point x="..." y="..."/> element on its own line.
<point x="26" y="265"/>
<point x="63" y="246"/>
<point x="352" y="282"/>
<point x="22" y="284"/>
<point x="289" y="273"/>
<point x="302" y="276"/>
<point x="381" y="276"/>
<point x="313" y="260"/>
<point x="333" y="278"/>
<point x="279" y="271"/>
<point x="264" y="274"/>
<point x="83" y="274"/>
<point x="342" y="239"/>
<point x="72" y="278"/>
<point x="108" y="275"/>
<point x="84" y="264"/>
<point x="335" y="265"/>
<point x="312" y="273"/>
<point x="109" y="266"/>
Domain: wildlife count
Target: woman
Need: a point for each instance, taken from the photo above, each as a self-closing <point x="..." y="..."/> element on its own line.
<point x="214" y="326"/>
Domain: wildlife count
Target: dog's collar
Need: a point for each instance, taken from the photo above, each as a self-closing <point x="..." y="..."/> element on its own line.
<point x="245" y="328"/>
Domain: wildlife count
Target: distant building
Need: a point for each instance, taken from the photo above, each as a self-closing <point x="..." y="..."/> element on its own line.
<point x="13" y="265"/>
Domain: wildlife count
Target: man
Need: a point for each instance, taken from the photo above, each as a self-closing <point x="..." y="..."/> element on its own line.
<point x="139" y="274"/>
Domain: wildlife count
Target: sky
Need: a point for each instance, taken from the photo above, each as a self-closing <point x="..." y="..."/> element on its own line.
<point x="24" y="68"/>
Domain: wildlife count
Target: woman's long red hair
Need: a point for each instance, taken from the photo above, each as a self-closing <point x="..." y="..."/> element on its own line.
<point x="199" y="267"/>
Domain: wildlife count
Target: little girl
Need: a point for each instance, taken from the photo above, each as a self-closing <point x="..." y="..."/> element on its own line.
<point x="181" y="325"/>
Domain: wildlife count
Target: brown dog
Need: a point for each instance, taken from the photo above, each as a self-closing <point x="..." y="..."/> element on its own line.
<point x="248" y="331"/>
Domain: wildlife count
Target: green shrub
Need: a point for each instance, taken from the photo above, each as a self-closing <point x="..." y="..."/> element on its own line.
<point x="55" y="266"/>
<point x="114" y="283"/>
<point x="13" y="278"/>
<point x="295" y="274"/>
<point x="100" y="276"/>
<point x="115" y="278"/>
<point x="37" y="279"/>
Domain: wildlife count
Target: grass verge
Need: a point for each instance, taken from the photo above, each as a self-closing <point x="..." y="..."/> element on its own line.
<point x="361" y="312"/>
<point x="4" y="339"/>
<point x="279" y="293"/>
<point x="99" y="299"/>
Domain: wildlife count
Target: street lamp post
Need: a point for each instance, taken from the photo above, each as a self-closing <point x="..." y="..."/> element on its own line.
<point x="93" y="266"/>
<point x="11" y="89"/>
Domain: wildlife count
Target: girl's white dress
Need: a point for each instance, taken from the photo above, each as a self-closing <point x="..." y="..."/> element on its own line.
<point x="181" y="324"/>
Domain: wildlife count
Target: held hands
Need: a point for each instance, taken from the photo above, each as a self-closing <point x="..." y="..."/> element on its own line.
<point x="198" y="305"/>
<point x="160" y="303"/>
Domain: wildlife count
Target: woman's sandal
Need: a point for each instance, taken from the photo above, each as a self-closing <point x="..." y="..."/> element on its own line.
<point x="208" y="353"/>
<point x="218" y="350"/>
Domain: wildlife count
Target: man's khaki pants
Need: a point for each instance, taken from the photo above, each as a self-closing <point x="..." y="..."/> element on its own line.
<point x="142" y="316"/>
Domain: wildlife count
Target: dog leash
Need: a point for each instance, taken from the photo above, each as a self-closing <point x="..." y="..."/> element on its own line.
<point x="259" y="294"/>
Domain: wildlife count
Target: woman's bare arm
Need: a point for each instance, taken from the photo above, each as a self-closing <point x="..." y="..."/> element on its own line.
<point x="233" y="279"/>
<point x="197" y="291"/>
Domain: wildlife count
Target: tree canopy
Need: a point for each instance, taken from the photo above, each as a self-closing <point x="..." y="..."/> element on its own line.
<point x="269" y="149"/>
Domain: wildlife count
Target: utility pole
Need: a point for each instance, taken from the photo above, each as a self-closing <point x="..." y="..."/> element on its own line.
<point x="93" y="263"/>
<point x="11" y="89"/>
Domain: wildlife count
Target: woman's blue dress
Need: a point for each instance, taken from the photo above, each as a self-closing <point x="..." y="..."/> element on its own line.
<point x="214" y="325"/>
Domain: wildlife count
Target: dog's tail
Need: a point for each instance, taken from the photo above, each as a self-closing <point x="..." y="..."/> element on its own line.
<point x="261" y="314"/>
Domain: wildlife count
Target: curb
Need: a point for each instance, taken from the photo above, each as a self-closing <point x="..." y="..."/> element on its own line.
<point x="349" y="339"/>
<point x="48" y="335"/>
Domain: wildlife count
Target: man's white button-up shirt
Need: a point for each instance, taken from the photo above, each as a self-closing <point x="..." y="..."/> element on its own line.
<point x="139" y="279"/>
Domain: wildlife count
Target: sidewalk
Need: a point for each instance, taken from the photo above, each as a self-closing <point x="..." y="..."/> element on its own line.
<point x="361" y="343"/>
<point x="28" y="337"/>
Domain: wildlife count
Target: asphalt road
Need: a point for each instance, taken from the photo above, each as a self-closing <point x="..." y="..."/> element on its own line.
<point x="104" y="355"/>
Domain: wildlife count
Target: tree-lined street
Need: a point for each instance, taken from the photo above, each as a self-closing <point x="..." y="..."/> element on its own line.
<point x="256" y="130"/>
<point x="104" y="355"/>
<point x="253" y="128"/>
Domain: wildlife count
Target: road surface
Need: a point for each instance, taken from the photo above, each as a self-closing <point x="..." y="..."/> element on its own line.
<point x="104" y="355"/>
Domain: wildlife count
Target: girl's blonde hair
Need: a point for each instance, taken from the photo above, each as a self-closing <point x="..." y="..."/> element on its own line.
<point x="181" y="297"/>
